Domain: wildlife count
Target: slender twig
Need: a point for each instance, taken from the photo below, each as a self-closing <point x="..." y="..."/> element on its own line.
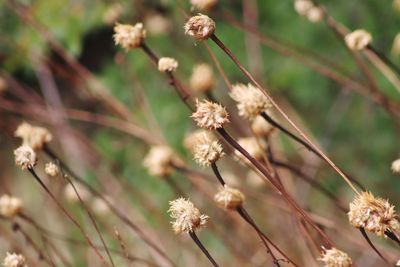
<point x="203" y="249"/>
<point x="364" y="234"/>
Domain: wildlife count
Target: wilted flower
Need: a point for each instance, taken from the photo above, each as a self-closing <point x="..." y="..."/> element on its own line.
<point x="210" y="115"/>
<point x="375" y="215"/>
<point x="261" y="127"/>
<point x="229" y="198"/>
<point x="187" y="216"/>
<point x="335" y="258"/>
<point x="358" y="39"/>
<point x="202" y="79"/>
<point x="34" y="136"/>
<point x="10" y="206"/>
<point x="250" y="100"/>
<point x="253" y="146"/>
<point x="167" y="64"/>
<point x="71" y="196"/>
<point x="160" y="160"/>
<point x="51" y="169"/>
<point x="207" y="150"/>
<point x="201" y="27"/>
<point x="129" y="36"/>
<point x="14" y="260"/>
<point x="203" y="5"/>
<point x="396" y="166"/>
<point x="25" y="157"/>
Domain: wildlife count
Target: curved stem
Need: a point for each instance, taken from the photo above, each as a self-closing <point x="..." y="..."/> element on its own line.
<point x="364" y="234"/>
<point x="203" y="249"/>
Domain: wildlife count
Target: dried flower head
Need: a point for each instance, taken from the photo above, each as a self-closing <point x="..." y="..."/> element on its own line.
<point x="396" y="166"/>
<point x="315" y="14"/>
<point x="202" y="79"/>
<point x="203" y="5"/>
<point x="261" y="127"/>
<point x="160" y="160"/>
<point x="128" y="36"/>
<point x="157" y="24"/>
<point x="210" y="115"/>
<point x="395" y="46"/>
<point x="167" y="64"/>
<point x="14" y="260"/>
<point x="71" y="196"/>
<point x="302" y="6"/>
<point x="113" y="13"/>
<point x="51" y="169"/>
<point x="25" y="157"/>
<point x="187" y="216"/>
<point x="375" y="215"/>
<point x="207" y="150"/>
<point x="335" y="258"/>
<point x="3" y="85"/>
<point x="250" y="100"/>
<point x="190" y="139"/>
<point x="10" y="206"/>
<point x="34" y="136"/>
<point x="358" y="39"/>
<point x="201" y="27"/>
<point x="229" y="198"/>
<point x="253" y="146"/>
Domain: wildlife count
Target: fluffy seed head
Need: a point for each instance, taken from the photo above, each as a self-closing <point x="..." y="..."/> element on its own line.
<point x="25" y="157"/>
<point x="203" y="5"/>
<point x="396" y="166"/>
<point x="229" y="198"/>
<point x="202" y="79"/>
<point x="34" y="136"/>
<point x="261" y="127"/>
<point x="207" y="150"/>
<point x="51" y="169"/>
<point x="14" y="260"/>
<point x="159" y="160"/>
<point x="128" y="36"/>
<point x="358" y="39"/>
<point x="167" y="64"/>
<point x="187" y="216"/>
<point x="201" y="27"/>
<point x="71" y="196"/>
<point x="375" y="215"/>
<point x="253" y="146"/>
<point x="335" y="258"/>
<point x="191" y="138"/>
<point x="10" y="206"/>
<point x="250" y="100"/>
<point x="210" y="115"/>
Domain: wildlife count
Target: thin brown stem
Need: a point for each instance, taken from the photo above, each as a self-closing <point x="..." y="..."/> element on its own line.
<point x="364" y="234"/>
<point x="203" y="249"/>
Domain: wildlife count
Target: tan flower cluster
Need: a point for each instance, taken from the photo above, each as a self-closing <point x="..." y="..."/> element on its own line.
<point x="335" y="258"/>
<point x="14" y="260"/>
<point x="229" y="198"/>
<point x="51" y="169"/>
<point x="33" y="136"/>
<point x="202" y="79"/>
<point x="25" y="157"/>
<point x="128" y="36"/>
<point x="10" y="206"/>
<point x="396" y="166"/>
<point x="250" y="100"/>
<point x="261" y="127"/>
<point x="210" y="115"/>
<point x="160" y="160"/>
<point x="358" y="39"/>
<point x="187" y="217"/>
<point x="253" y="146"/>
<point x="201" y="27"/>
<point x="207" y="150"/>
<point x="375" y="215"/>
<point x="167" y="64"/>
<point x="306" y="8"/>
<point x="190" y="139"/>
<point x="203" y="5"/>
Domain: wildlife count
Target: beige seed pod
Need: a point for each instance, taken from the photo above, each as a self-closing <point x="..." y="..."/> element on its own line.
<point x="375" y="215"/>
<point x="229" y="198"/>
<point x="51" y="169"/>
<point x="201" y="27"/>
<point x="25" y="157"/>
<point x="10" y="206"/>
<point x="210" y="115"/>
<point x="203" y="5"/>
<point x="128" y="36"/>
<point x="358" y="39"/>
<point x="167" y="64"/>
<point x="335" y="258"/>
<point x="253" y="146"/>
<point x="14" y="260"/>
<point x="34" y="136"/>
<point x="187" y="217"/>
<point x="159" y="160"/>
<point x="250" y="100"/>
<point x="261" y="127"/>
<point x="202" y="79"/>
<point x="396" y="166"/>
<point x="207" y="150"/>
